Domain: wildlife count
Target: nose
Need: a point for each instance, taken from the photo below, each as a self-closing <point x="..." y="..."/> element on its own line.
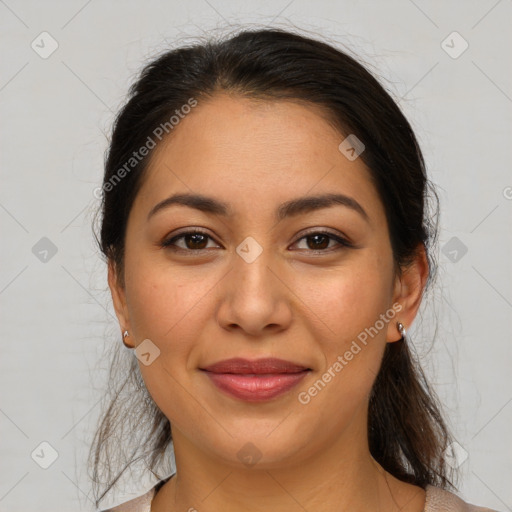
<point x="255" y="298"/>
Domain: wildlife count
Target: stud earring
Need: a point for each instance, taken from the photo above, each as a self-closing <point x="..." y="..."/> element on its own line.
<point x="401" y="329"/>
<point x="125" y="334"/>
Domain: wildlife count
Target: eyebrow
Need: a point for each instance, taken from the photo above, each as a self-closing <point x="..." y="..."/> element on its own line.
<point x="290" y="208"/>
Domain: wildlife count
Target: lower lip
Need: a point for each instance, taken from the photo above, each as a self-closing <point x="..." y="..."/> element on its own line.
<point x="256" y="388"/>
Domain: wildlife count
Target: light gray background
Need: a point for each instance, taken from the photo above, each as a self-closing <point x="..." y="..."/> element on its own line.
<point x="56" y="315"/>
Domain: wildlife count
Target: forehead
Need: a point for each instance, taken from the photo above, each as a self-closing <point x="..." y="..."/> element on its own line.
<point x="254" y="155"/>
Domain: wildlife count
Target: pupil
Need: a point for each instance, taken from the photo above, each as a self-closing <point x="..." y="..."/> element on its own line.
<point x="323" y="246"/>
<point x="196" y="240"/>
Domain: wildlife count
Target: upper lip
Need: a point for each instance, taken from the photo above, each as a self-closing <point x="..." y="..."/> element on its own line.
<point x="263" y="366"/>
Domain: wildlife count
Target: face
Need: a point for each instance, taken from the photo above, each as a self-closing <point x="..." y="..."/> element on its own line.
<point x="268" y="276"/>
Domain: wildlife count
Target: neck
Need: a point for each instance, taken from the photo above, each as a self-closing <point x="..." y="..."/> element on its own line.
<point x="342" y="477"/>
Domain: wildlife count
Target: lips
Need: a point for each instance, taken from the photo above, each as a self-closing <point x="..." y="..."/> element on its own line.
<point x="258" y="366"/>
<point x="256" y="380"/>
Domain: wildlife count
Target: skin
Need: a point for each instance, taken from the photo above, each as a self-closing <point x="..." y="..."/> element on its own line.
<point x="209" y="305"/>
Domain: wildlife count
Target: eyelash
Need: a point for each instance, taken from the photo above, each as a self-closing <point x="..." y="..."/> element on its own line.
<point x="343" y="243"/>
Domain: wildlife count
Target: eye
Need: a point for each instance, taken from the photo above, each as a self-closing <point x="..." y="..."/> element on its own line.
<point x="319" y="241"/>
<point x="195" y="240"/>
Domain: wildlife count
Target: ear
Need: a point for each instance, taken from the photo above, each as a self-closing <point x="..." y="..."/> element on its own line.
<point x="119" y="300"/>
<point x="408" y="292"/>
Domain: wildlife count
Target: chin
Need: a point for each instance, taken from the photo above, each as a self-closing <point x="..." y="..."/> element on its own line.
<point x="258" y="450"/>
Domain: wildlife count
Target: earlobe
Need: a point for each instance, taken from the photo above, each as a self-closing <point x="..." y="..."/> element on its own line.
<point x="396" y="332"/>
<point x="408" y="292"/>
<point x="118" y="299"/>
<point x="127" y="344"/>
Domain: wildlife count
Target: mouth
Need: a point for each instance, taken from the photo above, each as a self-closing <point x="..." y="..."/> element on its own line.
<point x="256" y="380"/>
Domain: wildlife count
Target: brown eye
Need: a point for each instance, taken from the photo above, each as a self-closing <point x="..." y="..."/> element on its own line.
<point x="319" y="241"/>
<point x="195" y="241"/>
<point x="192" y="241"/>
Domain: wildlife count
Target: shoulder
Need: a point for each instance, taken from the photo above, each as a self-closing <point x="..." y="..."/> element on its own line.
<point x="440" y="500"/>
<point x="141" y="503"/>
<point x="437" y="500"/>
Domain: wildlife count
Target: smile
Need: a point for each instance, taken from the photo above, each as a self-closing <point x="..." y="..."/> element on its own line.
<point x="255" y="381"/>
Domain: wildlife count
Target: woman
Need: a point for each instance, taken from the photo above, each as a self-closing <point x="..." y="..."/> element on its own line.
<point x="266" y="224"/>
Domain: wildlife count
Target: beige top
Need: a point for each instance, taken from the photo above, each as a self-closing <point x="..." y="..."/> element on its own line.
<point x="437" y="500"/>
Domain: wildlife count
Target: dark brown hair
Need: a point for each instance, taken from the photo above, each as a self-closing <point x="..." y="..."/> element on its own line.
<point x="406" y="432"/>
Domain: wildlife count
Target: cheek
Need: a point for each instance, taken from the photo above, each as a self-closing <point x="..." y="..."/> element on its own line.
<point x="170" y="307"/>
<point x="351" y="303"/>
<point x="351" y="299"/>
<point x="352" y="359"/>
<point x="163" y="307"/>
<point x="161" y="300"/>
